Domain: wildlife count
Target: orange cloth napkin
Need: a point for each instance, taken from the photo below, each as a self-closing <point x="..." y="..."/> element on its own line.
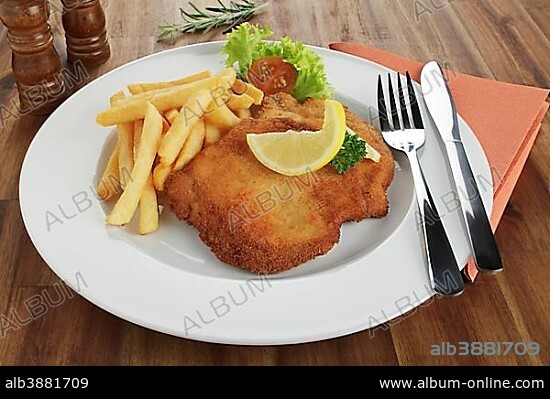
<point x="505" y="117"/>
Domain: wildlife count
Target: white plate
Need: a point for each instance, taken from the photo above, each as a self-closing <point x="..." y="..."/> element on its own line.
<point x="170" y="282"/>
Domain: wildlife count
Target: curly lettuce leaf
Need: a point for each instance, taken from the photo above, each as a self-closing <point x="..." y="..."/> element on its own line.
<point x="247" y="44"/>
<point x="312" y="79"/>
<point x="241" y="46"/>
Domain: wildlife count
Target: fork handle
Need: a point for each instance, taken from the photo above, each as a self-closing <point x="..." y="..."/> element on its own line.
<point x="446" y="277"/>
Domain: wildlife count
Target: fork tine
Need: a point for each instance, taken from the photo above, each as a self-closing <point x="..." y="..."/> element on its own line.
<point x="382" y="111"/>
<point x="403" y="104"/>
<point x="415" y="108"/>
<point x="393" y="106"/>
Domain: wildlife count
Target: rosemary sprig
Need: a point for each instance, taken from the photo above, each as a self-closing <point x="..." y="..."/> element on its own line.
<point x="212" y="17"/>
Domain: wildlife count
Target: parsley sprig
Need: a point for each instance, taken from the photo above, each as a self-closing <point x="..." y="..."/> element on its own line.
<point x="353" y="151"/>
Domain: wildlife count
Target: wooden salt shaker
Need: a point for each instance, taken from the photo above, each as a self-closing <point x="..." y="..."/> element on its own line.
<point x="85" y="32"/>
<point x="35" y="62"/>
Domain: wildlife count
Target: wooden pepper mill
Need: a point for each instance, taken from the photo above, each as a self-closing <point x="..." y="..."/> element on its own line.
<point x="85" y="32"/>
<point x="35" y="62"/>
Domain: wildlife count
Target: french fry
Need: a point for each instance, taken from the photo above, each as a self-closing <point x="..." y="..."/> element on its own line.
<point x="126" y="206"/>
<point x="224" y="79"/>
<point x="171" y="115"/>
<point x="149" y="95"/>
<point x="119" y="95"/>
<point x="255" y="93"/>
<point x="148" y="204"/>
<point x="222" y="117"/>
<point x="138" y="88"/>
<point x="173" y="98"/>
<point x="192" y="146"/>
<point x="212" y="134"/>
<point x="244" y="113"/>
<point x="138" y="131"/>
<point x="165" y="125"/>
<point x="190" y="115"/>
<point x="161" y="174"/>
<point x="148" y="208"/>
<point x="125" y="134"/>
<point x="240" y="87"/>
<point x="229" y="76"/>
<point x="131" y="111"/>
<point x="240" y="101"/>
<point x="109" y="183"/>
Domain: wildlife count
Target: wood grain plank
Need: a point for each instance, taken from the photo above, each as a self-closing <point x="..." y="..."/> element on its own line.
<point x="506" y="40"/>
<point x="363" y="349"/>
<point x="73" y="332"/>
<point x="15" y="137"/>
<point x="8" y="233"/>
<point x="158" y="349"/>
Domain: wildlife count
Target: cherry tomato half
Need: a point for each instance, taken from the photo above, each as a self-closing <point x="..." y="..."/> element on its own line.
<point x="273" y="75"/>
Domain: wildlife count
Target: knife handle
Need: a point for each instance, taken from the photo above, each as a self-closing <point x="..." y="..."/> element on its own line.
<point x="446" y="276"/>
<point x="482" y="240"/>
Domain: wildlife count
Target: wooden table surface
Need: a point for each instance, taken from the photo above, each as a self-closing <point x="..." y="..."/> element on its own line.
<point x="506" y="40"/>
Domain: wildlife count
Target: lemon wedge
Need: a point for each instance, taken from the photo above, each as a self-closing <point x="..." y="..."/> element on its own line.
<point x="297" y="153"/>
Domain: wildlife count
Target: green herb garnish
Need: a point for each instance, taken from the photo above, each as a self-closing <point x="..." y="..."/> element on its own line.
<point x="242" y="47"/>
<point x="353" y="151"/>
<point x="247" y="43"/>
<point x="212" y="17"/>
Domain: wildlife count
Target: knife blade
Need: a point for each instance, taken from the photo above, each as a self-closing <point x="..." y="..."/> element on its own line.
<point x="441" y="106"/>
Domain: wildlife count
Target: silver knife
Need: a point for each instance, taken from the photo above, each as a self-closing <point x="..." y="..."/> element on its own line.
<point x="442" y="108"/>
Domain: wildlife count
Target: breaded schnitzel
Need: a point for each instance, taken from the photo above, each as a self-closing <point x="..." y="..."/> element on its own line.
<point x="256" y="219"/>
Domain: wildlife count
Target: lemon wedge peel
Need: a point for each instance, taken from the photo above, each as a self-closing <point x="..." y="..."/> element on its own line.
<point x="372" y="154"/>
<point x="297" y="153"/>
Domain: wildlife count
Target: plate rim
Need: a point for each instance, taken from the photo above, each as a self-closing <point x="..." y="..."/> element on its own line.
<point x="202" y="336"/>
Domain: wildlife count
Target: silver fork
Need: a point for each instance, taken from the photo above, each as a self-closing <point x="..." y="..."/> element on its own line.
<point x="408" y="138"/>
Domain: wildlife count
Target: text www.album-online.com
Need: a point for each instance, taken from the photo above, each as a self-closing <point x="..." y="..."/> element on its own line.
<point x="483" y="383"/>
